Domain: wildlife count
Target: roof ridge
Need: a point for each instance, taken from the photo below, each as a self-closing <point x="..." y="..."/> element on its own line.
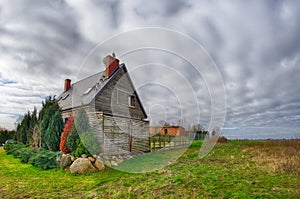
<point x="89" y="76"/>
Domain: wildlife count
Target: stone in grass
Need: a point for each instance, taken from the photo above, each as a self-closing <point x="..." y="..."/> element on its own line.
<point x="113" y="163"/>
<point x="65" y="161"/>
<point x="82" y="166"/>
<point x="99" y="165"/>
<point x="107" y="163"/>
<point x="119" y="160"/>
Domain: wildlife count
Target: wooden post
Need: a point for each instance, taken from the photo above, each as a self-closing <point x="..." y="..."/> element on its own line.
<point x="102" y="136"/>
<point x="130" y="136"/>
<point x="180" y="140"/>
<point x="149" y="143"/>
<point x="159" y="141"/>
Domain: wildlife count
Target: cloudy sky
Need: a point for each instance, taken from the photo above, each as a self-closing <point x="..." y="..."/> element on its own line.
<point x="254" y="44"/>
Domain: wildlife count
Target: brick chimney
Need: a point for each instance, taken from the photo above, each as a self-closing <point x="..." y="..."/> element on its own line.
<point x="111" y="63"/>
<point x="67" y="84"/>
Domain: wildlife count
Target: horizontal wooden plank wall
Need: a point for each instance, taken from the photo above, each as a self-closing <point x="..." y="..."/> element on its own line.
<point x="113" y="133"/>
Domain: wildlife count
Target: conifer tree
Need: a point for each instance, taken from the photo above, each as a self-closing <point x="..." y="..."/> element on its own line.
<point x="23" y="129"/>
<point x="51" y="124"/>
<point x="53" y="132"/>
<point x="71" y="139"/>
<point x="82" y="121"/>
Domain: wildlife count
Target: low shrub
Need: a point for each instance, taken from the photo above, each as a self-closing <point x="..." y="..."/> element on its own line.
<point x="87" y="144"/>
<point x="25" y="154"/>
<point x="42" y="159"/>
<point x="45" y="159"/>
<point x="81" y="149"/>
<point x="13" y="148"/>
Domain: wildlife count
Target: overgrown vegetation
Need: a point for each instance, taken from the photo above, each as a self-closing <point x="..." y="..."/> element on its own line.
<point x="228" y="171"/>
<point x="285" y="152"/>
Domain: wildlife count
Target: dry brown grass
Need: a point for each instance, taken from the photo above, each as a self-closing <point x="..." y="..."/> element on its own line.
<point x="280" y="156"/>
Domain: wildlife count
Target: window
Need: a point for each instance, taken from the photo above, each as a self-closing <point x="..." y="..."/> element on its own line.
<point x="166" y="131"/>
<point x="131" y="101"/>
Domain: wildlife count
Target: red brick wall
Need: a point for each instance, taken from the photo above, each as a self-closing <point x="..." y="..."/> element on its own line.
<point x="172" y="130"/>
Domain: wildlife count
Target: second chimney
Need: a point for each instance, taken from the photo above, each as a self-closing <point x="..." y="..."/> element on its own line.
<point x="67" y="84"/>
<point x="111" y="64"/>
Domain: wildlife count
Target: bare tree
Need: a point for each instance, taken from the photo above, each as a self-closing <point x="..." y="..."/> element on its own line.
<point x="37" y="136"/>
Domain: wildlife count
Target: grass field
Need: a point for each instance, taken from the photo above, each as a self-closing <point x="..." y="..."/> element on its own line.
<point x="236" y="169"/>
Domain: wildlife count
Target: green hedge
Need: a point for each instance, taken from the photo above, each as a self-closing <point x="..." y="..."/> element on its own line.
<point x="42" y="159"/>
<point x="45" y="159"/>
<point x="25" y="154"/>
<point x="13" y="148"/>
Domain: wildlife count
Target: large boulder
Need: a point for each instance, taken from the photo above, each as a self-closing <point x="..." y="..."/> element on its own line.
<point x="82" y="166"/>
<point x="65" y="161"/>
<point x="99" y="165"/>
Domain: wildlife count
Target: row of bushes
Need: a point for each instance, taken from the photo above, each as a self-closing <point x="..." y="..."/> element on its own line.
<point x="42" y="159"/>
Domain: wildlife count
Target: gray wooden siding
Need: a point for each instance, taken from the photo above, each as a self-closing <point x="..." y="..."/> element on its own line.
<point x="107" y="100"/>
<point x="113" y="133"/>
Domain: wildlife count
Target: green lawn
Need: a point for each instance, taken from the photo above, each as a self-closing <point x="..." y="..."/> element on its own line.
<point x="236" y="169"/>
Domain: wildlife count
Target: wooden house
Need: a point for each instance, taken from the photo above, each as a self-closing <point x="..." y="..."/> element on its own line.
<point x="115" y="111"/>
<point x="168" y="130"/>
